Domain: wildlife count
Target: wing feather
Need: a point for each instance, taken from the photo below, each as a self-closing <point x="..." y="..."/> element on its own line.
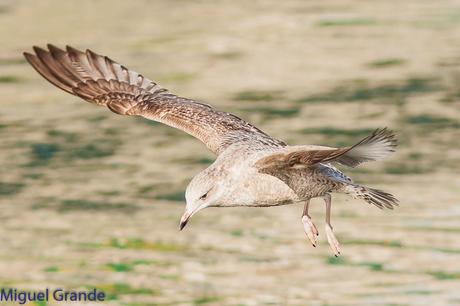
<point x="100" y="80"/>
<point x="376" y="146"/>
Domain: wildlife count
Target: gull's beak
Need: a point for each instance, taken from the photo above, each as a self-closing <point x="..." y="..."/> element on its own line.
<point x="187" y="215"/>
<point x="184" y="220"/>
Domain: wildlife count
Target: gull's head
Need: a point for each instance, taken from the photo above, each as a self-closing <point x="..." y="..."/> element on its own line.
<point x="205" y="190"/>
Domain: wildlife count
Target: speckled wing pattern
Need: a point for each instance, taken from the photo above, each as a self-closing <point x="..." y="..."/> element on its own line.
<point x="302" y="157"/>
<point x="377" y="145"/>
<point x="102" y="81"/>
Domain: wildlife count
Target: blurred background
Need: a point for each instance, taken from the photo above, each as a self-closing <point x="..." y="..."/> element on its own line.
<point x="90" y="199"/>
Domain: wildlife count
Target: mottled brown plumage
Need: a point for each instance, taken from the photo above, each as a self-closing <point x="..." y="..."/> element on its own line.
<point x="251" y="169"/>
<point x="100" y="80"/>
<point x="309" y="155"/>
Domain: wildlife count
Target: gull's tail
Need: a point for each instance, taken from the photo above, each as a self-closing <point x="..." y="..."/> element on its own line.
<point x="376" y="197"/>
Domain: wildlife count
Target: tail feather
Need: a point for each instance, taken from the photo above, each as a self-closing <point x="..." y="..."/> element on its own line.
<point x="376" y="197"/>
<point x="378" y="145"/>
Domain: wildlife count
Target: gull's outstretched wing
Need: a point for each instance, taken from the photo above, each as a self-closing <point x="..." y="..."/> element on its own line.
<point x="100" y="80"/>
<point x="376" y="146"/>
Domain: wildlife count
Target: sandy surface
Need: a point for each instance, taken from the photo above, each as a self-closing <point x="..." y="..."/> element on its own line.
<point x="90" y="199"/>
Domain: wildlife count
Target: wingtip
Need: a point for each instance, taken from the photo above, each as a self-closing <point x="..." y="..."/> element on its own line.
<point x="29" y="57"/>
<point x="72" y="50"/>
<point x="91" y="53"/>
<point x="38" y="50"/>
<point x="388" y="134"/>
<point x="52" y="48"/>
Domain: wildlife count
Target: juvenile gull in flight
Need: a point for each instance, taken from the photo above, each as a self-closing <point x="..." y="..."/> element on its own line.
<point x="251" y="168"/>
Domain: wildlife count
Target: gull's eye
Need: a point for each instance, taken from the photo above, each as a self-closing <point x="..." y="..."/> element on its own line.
<point x="204" y="196"/>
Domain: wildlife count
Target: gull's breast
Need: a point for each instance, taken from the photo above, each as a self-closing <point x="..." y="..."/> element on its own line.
<point x="259" y="189"/>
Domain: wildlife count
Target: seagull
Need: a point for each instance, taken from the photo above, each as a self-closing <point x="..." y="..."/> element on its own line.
<point x="252" y="169"/>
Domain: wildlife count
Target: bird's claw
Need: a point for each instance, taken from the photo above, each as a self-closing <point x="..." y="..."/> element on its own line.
<point x="333" y="243"/>
<point x="310" y="229"/>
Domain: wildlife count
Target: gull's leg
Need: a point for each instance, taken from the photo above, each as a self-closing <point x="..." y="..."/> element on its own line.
<point x="329" y="233"/>
<point x="308" y="225"/>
